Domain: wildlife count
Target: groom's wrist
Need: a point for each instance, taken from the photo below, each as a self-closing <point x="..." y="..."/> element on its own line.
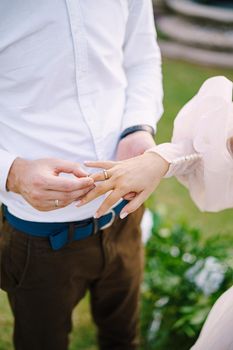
<point x="136" y="128"/>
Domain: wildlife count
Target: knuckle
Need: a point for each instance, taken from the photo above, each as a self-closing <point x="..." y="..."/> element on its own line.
<point x="123" y="187"/>
<point x="118" y="174"/>
<point x="66" y="196"/>
<point x="38" y="181"/>
<point x="35" y="196"/>
<point x="67" y="187"/>
<point x="119" y="178"/>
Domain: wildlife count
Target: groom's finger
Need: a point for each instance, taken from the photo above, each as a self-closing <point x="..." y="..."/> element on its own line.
<point x="100" y="164"/>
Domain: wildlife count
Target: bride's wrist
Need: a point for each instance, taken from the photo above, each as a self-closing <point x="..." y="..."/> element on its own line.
<point x="156" y="160"/>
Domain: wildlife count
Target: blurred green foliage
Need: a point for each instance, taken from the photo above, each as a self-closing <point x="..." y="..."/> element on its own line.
<point x="184" y="276"/>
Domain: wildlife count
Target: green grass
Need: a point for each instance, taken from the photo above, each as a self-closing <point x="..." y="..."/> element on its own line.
<point x="181" y="82"/>
<point x="5" y="324"/>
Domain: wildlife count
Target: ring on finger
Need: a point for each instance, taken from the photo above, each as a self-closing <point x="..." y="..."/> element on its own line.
<point x="106" y="175"/>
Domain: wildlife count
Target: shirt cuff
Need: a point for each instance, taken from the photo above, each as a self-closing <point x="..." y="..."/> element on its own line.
<point x="6" y="161"/>
<point x="180" y="156"/>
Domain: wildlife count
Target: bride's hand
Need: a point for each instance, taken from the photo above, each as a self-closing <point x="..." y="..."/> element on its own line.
<point x="141" y="175"/>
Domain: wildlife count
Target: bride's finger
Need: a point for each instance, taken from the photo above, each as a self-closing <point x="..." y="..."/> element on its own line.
<point x="102" y="175"/>
<point x="134" y="204"/>
<point x="100" y="164"/>
<point x="108" y="203"/>
<point x="99" y="190"/>
<point x="130" y="196"/>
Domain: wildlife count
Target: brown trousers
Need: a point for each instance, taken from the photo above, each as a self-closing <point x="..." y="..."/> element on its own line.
<point x="44" y="286"/>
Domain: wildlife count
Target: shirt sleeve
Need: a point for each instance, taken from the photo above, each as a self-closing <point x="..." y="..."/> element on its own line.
<point x="142" y="64"/>
<point x="6" y="161"/>
<point x="181" y="156"/>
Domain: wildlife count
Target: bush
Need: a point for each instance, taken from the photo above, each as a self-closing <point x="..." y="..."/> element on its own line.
<point x="184" y="276"/>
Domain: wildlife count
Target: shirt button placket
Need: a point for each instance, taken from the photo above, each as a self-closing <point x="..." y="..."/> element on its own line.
<point x="81" y="68"/>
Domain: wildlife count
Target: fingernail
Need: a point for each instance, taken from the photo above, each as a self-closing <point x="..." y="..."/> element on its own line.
<point x="96" y="216"/>
<point x="123" y="215"/>
<point x="78" y="203"/>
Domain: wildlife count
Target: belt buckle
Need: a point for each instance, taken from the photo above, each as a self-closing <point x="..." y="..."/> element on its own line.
<point x="111" y="221"/>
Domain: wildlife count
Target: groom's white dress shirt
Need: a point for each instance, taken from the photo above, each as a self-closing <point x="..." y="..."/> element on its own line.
<point x="73" y="75"/>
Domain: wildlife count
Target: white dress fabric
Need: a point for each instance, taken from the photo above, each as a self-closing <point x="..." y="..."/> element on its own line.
<point x="201" y="157"/>
<point x="217" y="331"/>
<point x="199" y="154"/>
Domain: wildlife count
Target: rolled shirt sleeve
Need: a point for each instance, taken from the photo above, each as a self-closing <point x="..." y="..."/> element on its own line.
<point x="142" y="64"/>
<point x="6" y="161"/>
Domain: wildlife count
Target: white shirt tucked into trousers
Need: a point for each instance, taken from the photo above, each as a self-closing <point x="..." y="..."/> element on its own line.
<point x="73" y="75"/>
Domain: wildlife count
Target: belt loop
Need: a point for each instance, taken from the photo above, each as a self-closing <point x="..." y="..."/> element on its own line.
<point x="3" y="213"/>
<point x="95" y="224"/>
<point x="71" y="231"/>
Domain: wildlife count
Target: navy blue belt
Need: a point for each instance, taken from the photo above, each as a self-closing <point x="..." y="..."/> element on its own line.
<point x="59" y="234"/>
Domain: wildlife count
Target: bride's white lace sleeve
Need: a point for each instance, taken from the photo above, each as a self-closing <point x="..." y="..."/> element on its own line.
<point x="181" y="156"/>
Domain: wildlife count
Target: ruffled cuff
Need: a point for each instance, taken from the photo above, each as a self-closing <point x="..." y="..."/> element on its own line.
<point x="181" y="157"/>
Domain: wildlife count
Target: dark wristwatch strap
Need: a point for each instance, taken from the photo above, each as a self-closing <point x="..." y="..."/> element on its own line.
<point x="136" y="128"/>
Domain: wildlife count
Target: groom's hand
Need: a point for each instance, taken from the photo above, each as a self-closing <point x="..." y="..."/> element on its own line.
<point x="38" y="181"/>
<point x="132" y="146"/>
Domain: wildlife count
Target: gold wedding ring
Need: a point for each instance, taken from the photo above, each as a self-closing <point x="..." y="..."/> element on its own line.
<point x="106" y="176"/>
<point x="56" y="202"/>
